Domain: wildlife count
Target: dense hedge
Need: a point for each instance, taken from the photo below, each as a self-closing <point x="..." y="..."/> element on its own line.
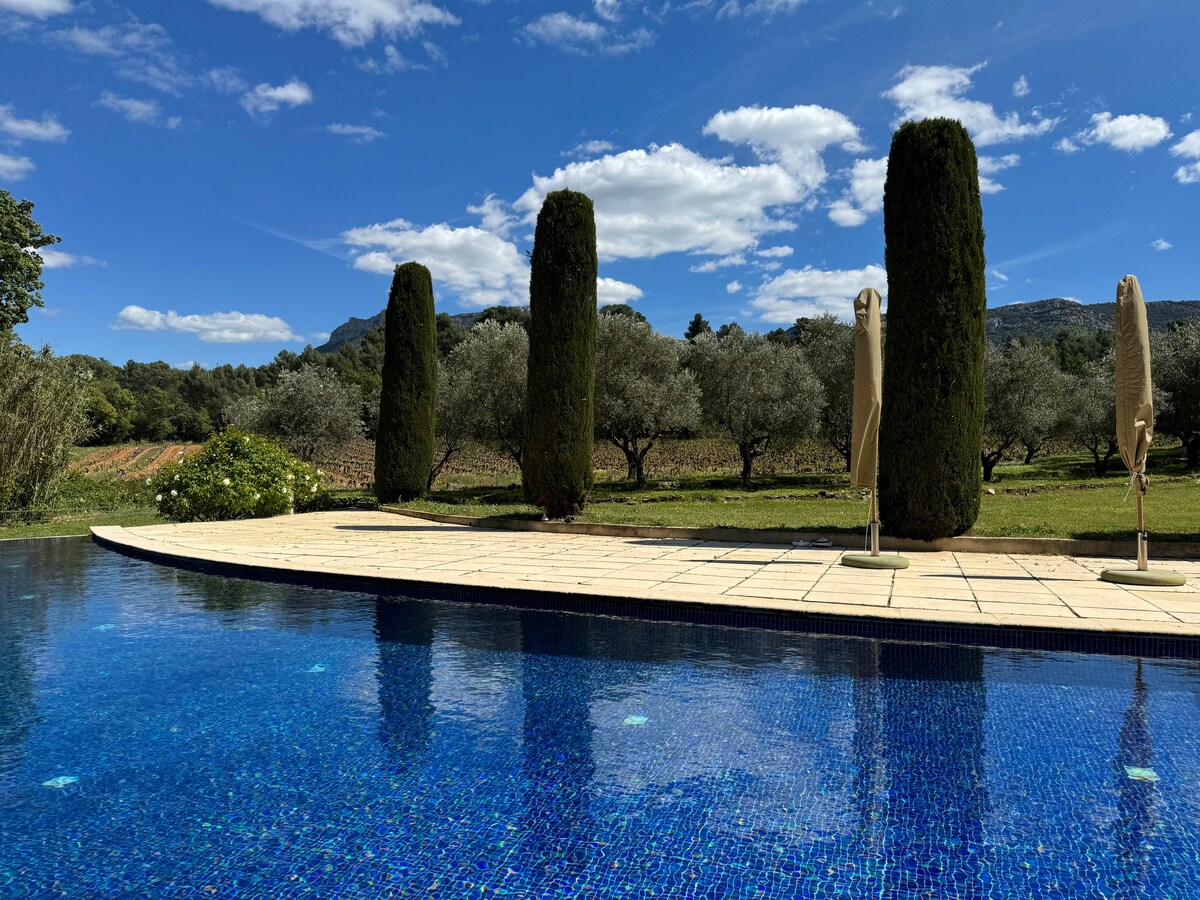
<point x="556" y="468"/>
<point x="931" y="429"/>
<point x="236" y="476"/>
<point x="405" y="440"/>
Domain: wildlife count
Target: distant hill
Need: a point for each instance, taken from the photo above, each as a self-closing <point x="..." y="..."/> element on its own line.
<point x="1043" y="318"/>
<point x="1046" y="317"/>
<point x="351" y="331"/>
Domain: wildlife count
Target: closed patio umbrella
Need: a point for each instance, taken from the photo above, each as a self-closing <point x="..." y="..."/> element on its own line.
<point x="864" y="433"/>
<point x="1135" y="419"/>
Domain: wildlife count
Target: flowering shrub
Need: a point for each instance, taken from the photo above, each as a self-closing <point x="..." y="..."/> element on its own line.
<point x="236" y="476"/>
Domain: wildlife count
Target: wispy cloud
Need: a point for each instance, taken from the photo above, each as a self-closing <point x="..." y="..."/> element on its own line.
<point x="265" y="100"/>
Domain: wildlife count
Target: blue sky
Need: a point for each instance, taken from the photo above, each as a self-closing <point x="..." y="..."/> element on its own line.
<point x="231" y="177"/>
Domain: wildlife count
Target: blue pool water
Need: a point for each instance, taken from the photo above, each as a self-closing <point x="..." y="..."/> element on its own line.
<point x="165" y="733"/>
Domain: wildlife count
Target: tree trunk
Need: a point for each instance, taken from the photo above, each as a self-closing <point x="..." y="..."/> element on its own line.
<point x="747" y="452"/>
<point x="846" y="458"/>
<point x="1031" y="450"/>
<point x="1191" y="447"/>
<point x="989" y="464"/>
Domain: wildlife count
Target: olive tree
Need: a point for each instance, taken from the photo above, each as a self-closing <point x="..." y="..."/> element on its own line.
<point x="493" y="363"/>
<point x="1177" y="375"/>
<point x="829" y="347"/>
<point x="1022" y="401"/>
<point x="455" y="418"/>
<point x="642" y="392"/>
<point x="309" y="411"/>
<point x="1091" y="420"/>
<point x="757" y="392"/>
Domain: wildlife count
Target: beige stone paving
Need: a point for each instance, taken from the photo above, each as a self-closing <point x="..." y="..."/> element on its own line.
<point x="968" y="588"/>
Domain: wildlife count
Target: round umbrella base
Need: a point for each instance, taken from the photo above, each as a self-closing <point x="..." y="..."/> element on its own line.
<point x="866" y="561"/>
<point x="1149" y="577"/>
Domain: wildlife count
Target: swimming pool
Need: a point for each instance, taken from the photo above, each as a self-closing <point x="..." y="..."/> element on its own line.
<point x="168" y="733"/>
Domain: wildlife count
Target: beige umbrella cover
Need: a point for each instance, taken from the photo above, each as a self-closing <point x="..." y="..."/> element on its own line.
<point x="868" y="389"/>
<point x="1135" y="404"/>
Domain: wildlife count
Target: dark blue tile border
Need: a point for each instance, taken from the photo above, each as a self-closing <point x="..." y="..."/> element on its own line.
<point x="1004" y="637"/>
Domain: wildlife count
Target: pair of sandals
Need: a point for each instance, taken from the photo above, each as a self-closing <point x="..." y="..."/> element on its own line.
<point x="821" y="543"/>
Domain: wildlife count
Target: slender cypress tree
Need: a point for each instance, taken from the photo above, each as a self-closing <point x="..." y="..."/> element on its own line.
<point x="931" y="429"/>
<point x="404" y="442"/>
<point x="559" y="412"/>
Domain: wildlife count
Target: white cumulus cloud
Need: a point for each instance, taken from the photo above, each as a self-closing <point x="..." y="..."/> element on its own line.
<point x="993" y="165"/>
<point x="482" y="268"/>
<point x="265" y="99"/>
<point x="15" y="168"/>
<point x="352" y="23"/>
<point x="670" y="199"/>
<point x="925" y="92"/>
<point x="1131" y="133"/>
<point x="1161" y="244"/>
<point x="217" y="328"/>
<point x="16" y="129"/>
<point x="494" y="216"/>
<point x="1020" y="87"/>
<point x="39" y="9"/>
<point x="1188" y="148"/>
<point x="609" y="291"/>
<point x="59" y="259"/>
<point x="810" y="292"/>
<point x="733" y="287"/>
<point x="793" y="137"/>
<point x="863" y="197"/>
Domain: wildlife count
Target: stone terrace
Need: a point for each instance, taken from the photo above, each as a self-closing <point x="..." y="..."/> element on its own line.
<point x="966" y="588"/>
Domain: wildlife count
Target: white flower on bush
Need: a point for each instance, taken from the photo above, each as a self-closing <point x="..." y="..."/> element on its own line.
<point x="258" y="496"/>
<point x="225" y="481"/>
<point x="174" y="493"/>
<point x="319" y="472"/>
<point x="158" y="498"/>
<point x="176" y="478"/>
<point x="147" y="481"/>
<point x="290" y="476"/>
<point x="313" y="489"/>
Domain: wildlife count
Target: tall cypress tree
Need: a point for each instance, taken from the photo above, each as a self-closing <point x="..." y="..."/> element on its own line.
<point x="404" y="443"/>
<point x="931" y="429"/>
<point x="559" y="411"/>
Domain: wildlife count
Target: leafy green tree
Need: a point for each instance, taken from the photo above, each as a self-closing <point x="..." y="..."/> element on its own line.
<point x="152" y="420"/>
<point x="493" y="365"/>
<point x="21" y="237"/>
<point x="449" y="334"/>
<point x="456" y="417"/>
<point x="622" y="309"/>
<point x="698" y="326"/>
<point x="758" y="393"/>
<point x="1177" y="375"/>
<point x="1091" y="420"/>
<point x="556" y="469"/>
<point x="43" y="413"/>
<point x="502" y="315"/>
<point x="404" y="446"/>
<point x="931" y="429"/>
<point x="1023" y="395"/>
<point x="110" y="412"/>
<point x="310" y="412"/>
<point x="642" y="392"/>
<point x="828" y="346"/>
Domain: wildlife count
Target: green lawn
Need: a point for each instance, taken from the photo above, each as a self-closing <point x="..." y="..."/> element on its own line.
<point x="1057" y="497"/>
<point x="1054" y="498"/>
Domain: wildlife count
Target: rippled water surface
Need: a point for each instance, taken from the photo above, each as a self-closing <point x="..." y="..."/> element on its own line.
<point x="164" y="733"/>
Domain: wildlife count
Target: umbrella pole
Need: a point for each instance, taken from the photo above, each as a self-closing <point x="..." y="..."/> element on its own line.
<point x="874" y="522"/>
<point x="1143" y="541"/>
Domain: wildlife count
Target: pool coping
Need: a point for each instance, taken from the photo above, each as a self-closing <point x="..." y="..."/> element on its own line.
<point x="1131" y="638"/>
<point x="1033" y="546"/>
